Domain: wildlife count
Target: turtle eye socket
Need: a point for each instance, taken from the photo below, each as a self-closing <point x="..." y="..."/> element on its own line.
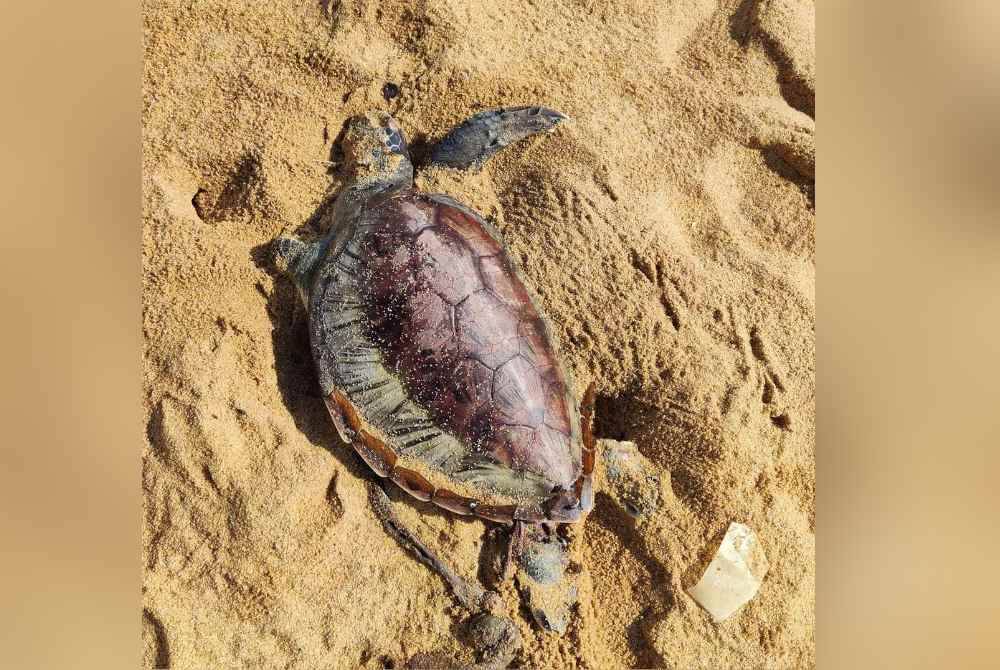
<point x="542" y="619"/>
<point x="394" y="140"/>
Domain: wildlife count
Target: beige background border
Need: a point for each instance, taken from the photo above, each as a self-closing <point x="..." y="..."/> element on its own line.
<point x="909" y="272"/>
<point x="70" y="335"/>
<point x="909" y="265"/>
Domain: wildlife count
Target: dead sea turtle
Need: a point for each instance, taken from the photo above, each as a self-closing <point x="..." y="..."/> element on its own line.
<point x="437" y="365"/>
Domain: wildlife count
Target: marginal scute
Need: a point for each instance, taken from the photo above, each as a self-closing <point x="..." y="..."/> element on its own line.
<point x="453" y="502"/>
<point x="588" y="460"/>
<point x="339" y="420"/>
<point x="373" y="451"/>
<point x="587" y="416"/>
<point x="413" y="483"/>
<point x="500" y="280"/>
<point x="475" y="235"/>
<point x="374" y="457"/>
<point x="498" y="513"/>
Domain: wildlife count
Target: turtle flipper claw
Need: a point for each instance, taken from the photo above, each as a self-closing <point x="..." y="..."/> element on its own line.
<point x="472" y="142"/>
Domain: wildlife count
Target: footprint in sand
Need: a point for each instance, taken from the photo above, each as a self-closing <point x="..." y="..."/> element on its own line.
<point x="787" y="31"/>
<point x="676" y="23"/>
<point x="154" y="642"/>
<point x="776" y="126"/>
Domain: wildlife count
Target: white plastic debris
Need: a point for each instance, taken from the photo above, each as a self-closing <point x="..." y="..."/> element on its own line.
<point x="733" y="576"/>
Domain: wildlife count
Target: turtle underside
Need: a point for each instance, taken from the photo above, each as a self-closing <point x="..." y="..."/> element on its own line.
<point x="438" y="367"/>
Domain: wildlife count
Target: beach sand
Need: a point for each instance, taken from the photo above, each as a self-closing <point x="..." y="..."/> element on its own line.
<point x="668" y="229"/>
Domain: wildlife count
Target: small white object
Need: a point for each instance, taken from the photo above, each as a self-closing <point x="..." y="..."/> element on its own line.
<point x="733" y="576"/>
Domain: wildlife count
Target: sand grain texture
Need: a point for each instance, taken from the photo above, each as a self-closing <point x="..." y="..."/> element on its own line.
<point x="669" y="231"/>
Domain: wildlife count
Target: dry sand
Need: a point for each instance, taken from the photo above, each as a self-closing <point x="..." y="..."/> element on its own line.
<point x="669" y="231"/>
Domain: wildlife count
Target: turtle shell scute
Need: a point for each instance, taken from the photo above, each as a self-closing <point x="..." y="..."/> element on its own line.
<point x="446" y="265"/>
<point x="473" y="232"/>
<point x="518" y="394"/>
<point x="487" y="329"/>
<point x="502" y="282"/>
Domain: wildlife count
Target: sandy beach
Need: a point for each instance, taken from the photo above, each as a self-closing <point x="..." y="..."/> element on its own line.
<point x="668" y="229"/>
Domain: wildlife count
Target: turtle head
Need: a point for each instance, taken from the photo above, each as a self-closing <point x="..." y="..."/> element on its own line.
<point x="374" y="146"/>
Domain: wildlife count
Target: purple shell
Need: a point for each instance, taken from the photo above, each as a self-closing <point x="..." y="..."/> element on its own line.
<point x="423" y="331"/>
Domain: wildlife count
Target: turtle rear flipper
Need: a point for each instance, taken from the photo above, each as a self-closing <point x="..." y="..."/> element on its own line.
<point x="542" y="558"/>
<point x="472" y="142"/>
<point x="494" y="636"/>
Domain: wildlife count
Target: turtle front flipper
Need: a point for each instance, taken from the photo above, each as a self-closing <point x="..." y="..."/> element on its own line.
<point x="476" y="139"/>
<point x="297" y="259"/>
